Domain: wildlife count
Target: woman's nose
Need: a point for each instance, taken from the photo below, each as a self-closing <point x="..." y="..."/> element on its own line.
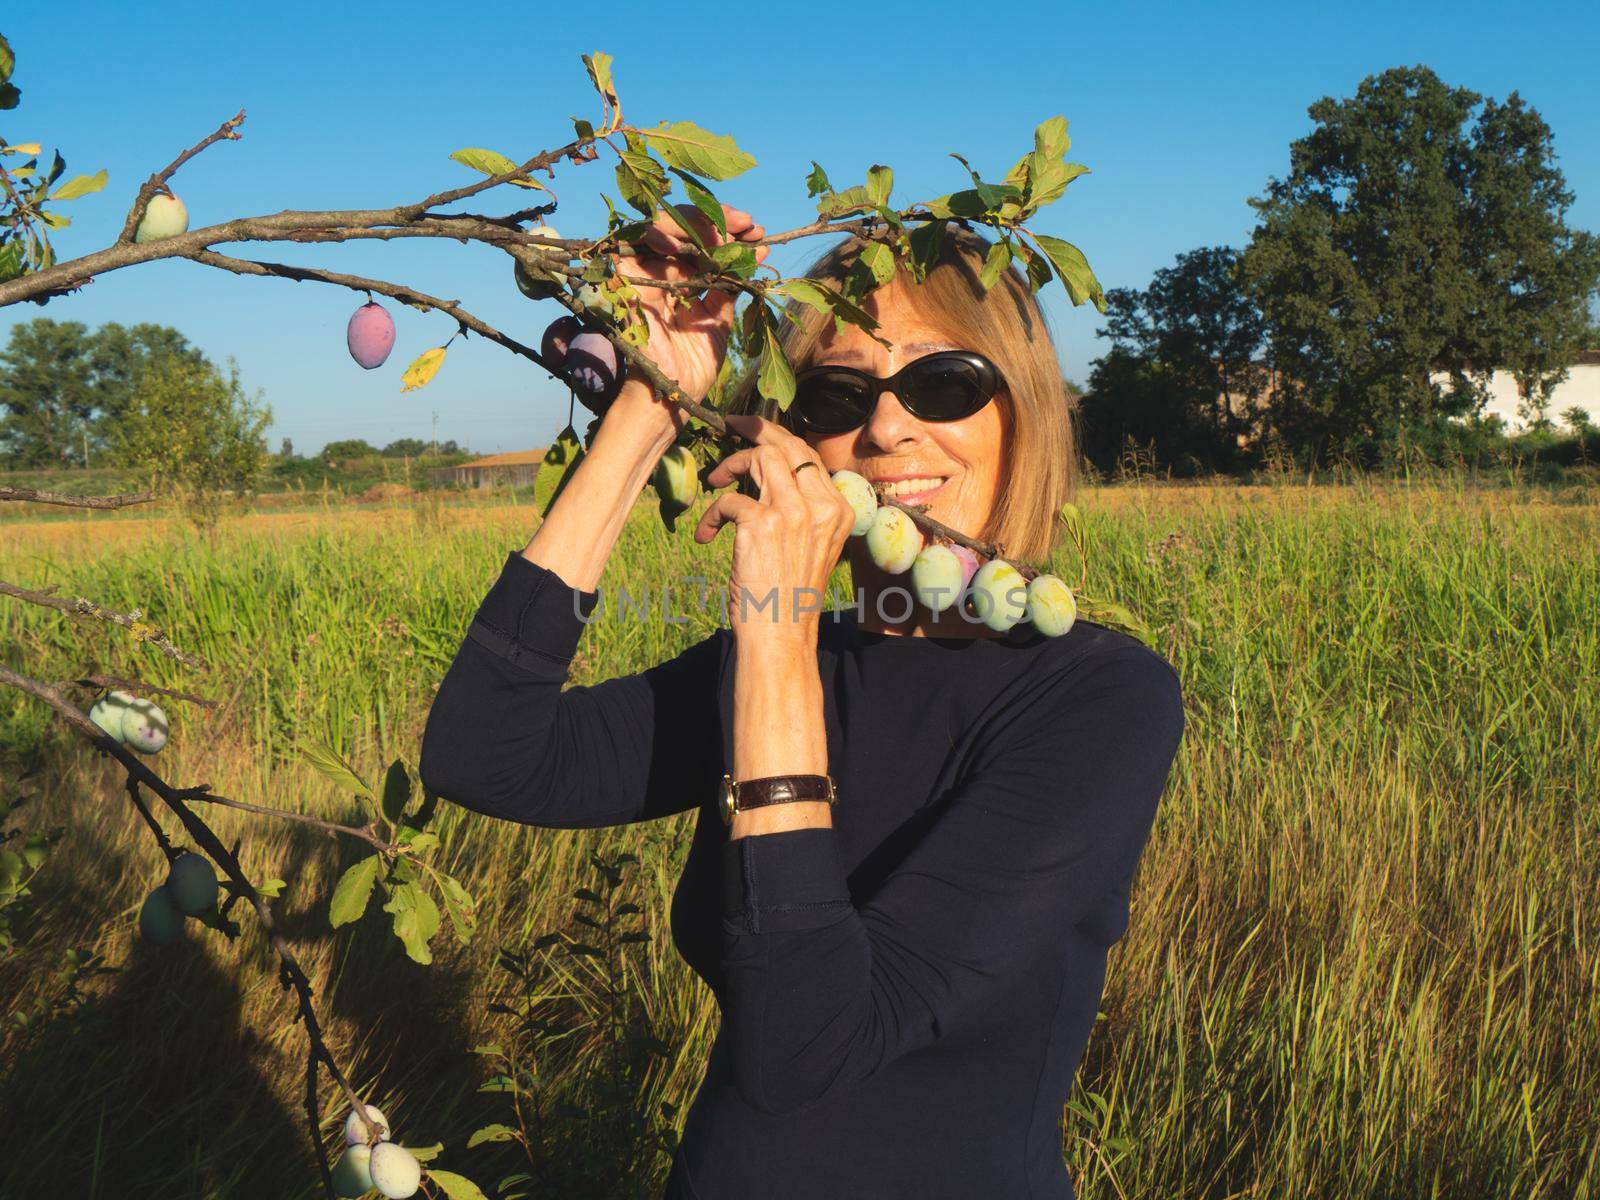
<point x="890" y="426"/>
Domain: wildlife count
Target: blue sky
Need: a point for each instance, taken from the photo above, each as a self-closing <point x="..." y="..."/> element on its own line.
<point x="1180" y="110"/>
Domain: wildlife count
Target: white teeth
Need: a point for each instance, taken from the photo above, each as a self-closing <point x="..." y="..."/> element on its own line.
<point x="909" y="487"/>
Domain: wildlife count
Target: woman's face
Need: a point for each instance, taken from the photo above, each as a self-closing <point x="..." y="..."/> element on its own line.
<point x="951" y="466"/>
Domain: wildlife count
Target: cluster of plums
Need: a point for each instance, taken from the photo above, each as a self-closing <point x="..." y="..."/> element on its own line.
<point x="389" y="1167"/>
<point x="583" y="356"/>
<point x="942" y="575"/>
<point x="138" y="724"/>
<point x="191" y="889"/>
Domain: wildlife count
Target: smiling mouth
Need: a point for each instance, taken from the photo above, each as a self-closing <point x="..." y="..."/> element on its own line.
<point x="914" y="490"/>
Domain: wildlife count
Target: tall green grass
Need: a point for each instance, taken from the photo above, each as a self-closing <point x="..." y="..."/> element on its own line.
<point x="1362" y="959"/>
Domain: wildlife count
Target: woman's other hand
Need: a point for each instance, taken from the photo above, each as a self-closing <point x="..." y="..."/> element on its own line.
<point x="787" y="542"/>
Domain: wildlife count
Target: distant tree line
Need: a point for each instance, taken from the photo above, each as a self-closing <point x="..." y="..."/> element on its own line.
<point x="1418" y="243"/>
<point x="132" y="396"/>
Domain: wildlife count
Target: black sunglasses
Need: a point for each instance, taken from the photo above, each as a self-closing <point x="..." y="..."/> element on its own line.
<point x="944" y="386"/>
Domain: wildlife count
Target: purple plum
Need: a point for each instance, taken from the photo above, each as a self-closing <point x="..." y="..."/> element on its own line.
<point x="370" y="334"/>
<point x="558" y="336"/>
<point x="591" y="368"/>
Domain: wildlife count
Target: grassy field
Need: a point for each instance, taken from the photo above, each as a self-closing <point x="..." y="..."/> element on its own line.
<point x="1362" y="960"/>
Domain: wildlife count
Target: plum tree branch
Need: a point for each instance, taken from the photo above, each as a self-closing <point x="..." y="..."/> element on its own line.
<point x="290" y="972"/>
<point x="134" y="622"/>
<point x="132" y="685"/>
<point x="35" y="496"/>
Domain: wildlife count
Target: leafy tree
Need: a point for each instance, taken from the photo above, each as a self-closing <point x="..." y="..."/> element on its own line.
<point x="348" y="448"/>
<point x="1200" y="335"/>
<point x="65" y="389"/>
<point x="286" y="450"/>
<point x="405" y="447"/>
<point x="1416" y="233"/>
<point x="194" y="435"/>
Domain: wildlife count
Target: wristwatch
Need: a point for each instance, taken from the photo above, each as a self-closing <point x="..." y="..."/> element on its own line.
<point x="773" y="789"/>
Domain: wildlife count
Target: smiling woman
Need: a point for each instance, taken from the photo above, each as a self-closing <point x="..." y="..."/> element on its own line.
<point x="915" y="839"/>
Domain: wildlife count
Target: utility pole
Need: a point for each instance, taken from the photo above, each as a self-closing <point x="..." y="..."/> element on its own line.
<point x="436" y="433"/>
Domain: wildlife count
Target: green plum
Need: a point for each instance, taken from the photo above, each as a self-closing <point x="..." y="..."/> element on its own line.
<point x="999" y="595"/>
<point x="936" y="576"/>
<point x="395" y="1171"/>
<point x="1051" y="606"/>
<point x="107" y="711"/>
<point x="192" y="884"/>
<point x="160" y="921"/>
<point x="863" y="499"/>
<point x="355" y="1133"/>
<point x="144" y="727"/>
<point x="677" y="482"/>
<point x="165" y="216"/>
<point x="352" y="1174"/>
<point x="536" y="284"/>
<point x="893" y="540"/>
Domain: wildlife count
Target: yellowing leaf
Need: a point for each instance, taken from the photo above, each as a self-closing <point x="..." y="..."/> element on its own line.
<point x="492" y="162"/>
<point x="22" y="148"/>
<point x="421" y="372"/>
<point x="80" y="185"/>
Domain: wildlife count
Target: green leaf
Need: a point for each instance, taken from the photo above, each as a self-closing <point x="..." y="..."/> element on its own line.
<point x="328" y="761"/>
<point x="879" y="260"/>
<point x="996" y="261"/>
<point x="491" y="1133"/>
<point x="1050" y="183"/>
<point x="426" y="1153"/>
<point x="966" y="205"/>
<point x="354" y="889"/>
<point x="1074" y="270"/>
<point x="817" y="182"/>
<point x="598" y="65"/>
<point x="1050" y="143"/>
<point x="80" y="185"/>
<point x="735" y="258"/>
<point x="459" y="907"/>
<point x="776" y="380"/>
<point x="702" y="199"/>
<point x="55" y="220"/>
<point x="686" y="146"/>
<point x="8" y="60"/>
<point x="840" y="204"/>
<point x="583" y="129"/>
<point x="1114" y="616"/>
<point x="927" y="240"/>
<point x="641" y="181"/>
<point x="492" y="162"/>
<point x="396" y="792"/>
<point x="10" y="96"/>
<point x="1039" y="272"/>
<point x="805" y="291"/>
<point x="880" y="180"/>
<point x="549" y="482"/>
<point x="272" y="887"/>
<point x="457" y="1187"/>
<point x="416" y="920"/>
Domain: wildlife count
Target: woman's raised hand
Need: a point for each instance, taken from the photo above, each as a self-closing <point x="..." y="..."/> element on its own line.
<point x="787" y="542"/>
<point x="687" y="341"/>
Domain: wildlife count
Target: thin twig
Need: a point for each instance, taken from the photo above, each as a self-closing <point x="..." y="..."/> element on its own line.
<point x="226" y="131"/>
<point x="133" y="685"/>
<point x="141" y="629"/>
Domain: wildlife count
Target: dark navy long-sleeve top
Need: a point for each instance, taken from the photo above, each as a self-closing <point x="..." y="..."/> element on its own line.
<point x="906" y="995"/>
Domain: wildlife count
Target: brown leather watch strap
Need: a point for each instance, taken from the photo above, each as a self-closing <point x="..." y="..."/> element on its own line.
<point x="782" y="789"/>
<point x="772" y="789"/>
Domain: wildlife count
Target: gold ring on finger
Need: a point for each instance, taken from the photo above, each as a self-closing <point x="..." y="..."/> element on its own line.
<point x="803" y="466"/>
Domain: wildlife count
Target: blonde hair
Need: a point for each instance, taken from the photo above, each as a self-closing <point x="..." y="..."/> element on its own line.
<point x="1006" y="325"/>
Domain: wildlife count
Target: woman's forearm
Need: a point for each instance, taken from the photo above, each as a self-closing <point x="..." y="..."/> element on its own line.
<point x="778" y="729"/>
<point x="578" y="535"/>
